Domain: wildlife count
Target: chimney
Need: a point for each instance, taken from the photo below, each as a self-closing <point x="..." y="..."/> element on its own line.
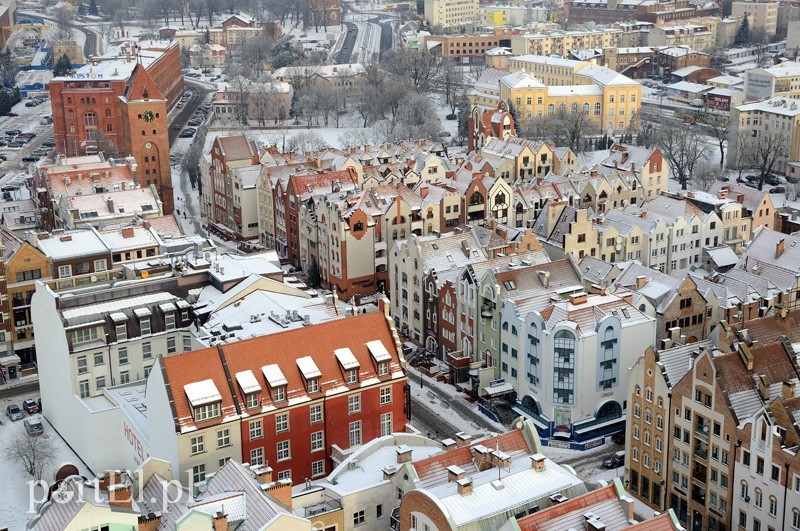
<point x="465" y="248"/>
<point x="482" y="457"/>
<point x="641" y="280"/>
<point x="779" y="248"/>
<point x="537" y="462"/>
<point x="127" y="56"/>
<point x="746" y="356"/>
<point x="388" y="471"/>
<point x="119" y="495"/>
<point x="462" y="439"/>
<point x="500" y="459"/>
<point x="454" y="473"/>
<point x="403" y="454"/>
<point x="763" y="386"/>
<point x="110" y="203"/>
<point x="127" y="232"/>
<point x="263" y="473"/>
<point x="578" y="298"/>
<point x="544" y="277"/>
<point x="220" y="522"/>
<point x="66" y="238"/>
<point x="448" y="444"/>
<point x="281" y="490"/>
<point x="110" y="477"/>
<point x="740" y="198"/>
<point x="146" y="224"/>
<point x="465" y="486"/>
<point x="149" y="522"/>
<point x="723" y="193"/>
<point x="787" y="389"/>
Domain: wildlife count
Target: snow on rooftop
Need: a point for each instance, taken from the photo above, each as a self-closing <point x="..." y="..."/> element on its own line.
<point x="346" y="358"/>
<point x="378" y="351"/>
<point x="118" y="317"/>
<point x="201" y="393"/>
<point x="142" y="312"/>
<point x="308" y="368"/>
<point x="274" y="375"/>
<point x="248" y="382"/>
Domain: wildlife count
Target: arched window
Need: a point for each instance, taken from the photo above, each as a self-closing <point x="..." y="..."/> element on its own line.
<point x="476" y="199"/>
<point x="641" y="307"/>
<point x="635" y="453"/>
<point x="636" y="431"/>
<point x="108" y="113"/>
<point x="146" y="158"/>
<point x="505" y="325"/>
<point x="659" y="444"/>
<point x="551" y="110"/>
<point x="659" y="422"/>
<point x="759" y="498"/>
<point x="90" y="119"/>
<point x="109" y="128"/>
<point x="648" y="394"/>
<point x="500" y="198"/>
<point x="609" y="409"/>
<point x="637" y="411"/>
<point x="795" y="519"/>
<point x="646" y="460"/>
<point x="638" y="390"/>
<point x="94" y="101"/>
<point x="744" y="491"/>
<point x="562" y="108"/>
<point x="574" y="108"/>
<point x="585" y="108"/>
<point x="657" y="466"/>
<point x="70" y="114"/>
<point x="773" y="505"/>
<point x="69" y="101"/>
<point x="648" y="416"/>
<point x="647" y="437"/>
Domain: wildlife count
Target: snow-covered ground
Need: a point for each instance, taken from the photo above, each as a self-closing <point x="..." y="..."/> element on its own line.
<point x="15" y="489"/>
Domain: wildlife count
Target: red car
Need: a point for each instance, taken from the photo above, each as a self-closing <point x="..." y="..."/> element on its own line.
<point x="30" y="406"/>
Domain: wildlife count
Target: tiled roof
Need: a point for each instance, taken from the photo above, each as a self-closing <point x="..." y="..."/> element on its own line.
<point x="317" y="342"/>
<point x="662" y="522"/>
<point x="237" y="147"/>
<point x="603" y="503"/>
<point x="677" y="360"/>
<point x="433" y="470"/>
<point x="772" y="327"/>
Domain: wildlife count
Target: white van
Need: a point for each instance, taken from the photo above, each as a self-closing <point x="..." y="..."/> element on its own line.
<point x="33" y="426"/>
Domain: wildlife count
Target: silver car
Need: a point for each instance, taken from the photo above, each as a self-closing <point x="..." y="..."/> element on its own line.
<point x="14" y="412"/>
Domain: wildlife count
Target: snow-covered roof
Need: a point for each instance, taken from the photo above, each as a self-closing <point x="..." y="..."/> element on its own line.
<point x="521" y="80"/>
<point x="201" y="393"/>
<point x="574" y="90"/>
<point x="248" y="382"/>
<point x="346" y="358"/>
<point x="686" y="86"/>
<point x="308" y="368"/>
<point x="378" y="351"/>
<point x="774" y="105"/>
<point x="274" y="375"/>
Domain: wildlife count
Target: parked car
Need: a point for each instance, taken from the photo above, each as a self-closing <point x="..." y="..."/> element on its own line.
<point x="778" y="190"/>
<point x="3" y="158"/>
<point x="30" y="406"/>
<point x="615" y="460"/>
<point x="30" y="158"/>
<point x="195" y="122"/>
<point x="14" y="412"/>
<point x="619" y="437"/>
<point x="16" y="144"/>
<point x="772" y="180"/>
<point x="34" y="426"/>
<point x="176" y="127"/>
<point x="13" y="132"/>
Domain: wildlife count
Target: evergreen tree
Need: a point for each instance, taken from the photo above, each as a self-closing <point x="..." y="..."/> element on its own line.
<point x="314" y="278"/>
<point x="63" y="66"/>
<point x="81" y="10"/>
<point x="743" y="33"/>
<point x="93" y="8"/>
<point x="207" y="36"/>
<point x="463" y="116"/>
<point x="8" y="69"/>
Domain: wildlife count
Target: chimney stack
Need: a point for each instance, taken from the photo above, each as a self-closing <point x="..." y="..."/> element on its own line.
<point x="537" y="462"/>
<point x="482" y="457"/>
<point x="641" y="280"/>
<point x="779" y="248"/>
<point x="454" y="473"/>
<point x="465" y="486"/>
<point x="448" y="444"/>
<point x="149" y="522"/>
<point x="787" y="390"/>
<point x="119" y="495"/>
<point x="462" y="439"/>
<point x="403" y="454"/>
<point x="263" y="473"/>
<point x="220" y="522"/>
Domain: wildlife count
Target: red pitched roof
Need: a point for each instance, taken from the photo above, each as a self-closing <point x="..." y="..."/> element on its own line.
<point x="662" y="522"/>
<point x="283" y="349"/>
<point x="534" y="521"/>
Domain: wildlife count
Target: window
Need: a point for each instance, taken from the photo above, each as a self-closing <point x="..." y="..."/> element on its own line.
<point x="386" y="424"/>
<point x="284" y="451"/>
<point x="760" y="466"/>
<point x="171" y="348"/>
<point x="795" y="519"/>
<point x="285" y="474"/>
<point x="317" y="441"/>
<point x="773" y="506"/>
<point x="169" y="321"/>
<point x="383" y="368"/>
<point x="318" y="469"/>
<point x="100" y="382"/>
<point x="759" y="499"/>
<point x="281" y="422"/>
<point x="313" y="385"/>
<point x="257" y="456"/>
<point x="279" y="394"/>
<point x="359" y="518"/>
<point x="256" y="429"/>
<point x="315" y="414"/>
<point x="99" y="359"/>
<point x="122" y="332"/>
<point x="223" y="438"/>
<point x="353" y="404"/>
<point x="252" y="400"/>
<point x="84" y="335"/>
<point x="743" y="493"/>
<point x="124" y="377"/>
<point x="352" y="376"/>
<point x="386" y="395"/>
<point x="83" y="367"/>
<point x="64" y="271"/>
<point x="198" y="473"/>
<point x="144" y="325"/>
<point x="187" y="343"/>
<point x="123" y="355"/>
<point x="207" y="411"/>
<point x="648" y="394"/>
<point x="147" y="350"/>
<point x="776" y="473"/>
<point x="355" y="433"/>
<point x="198" y="444"/>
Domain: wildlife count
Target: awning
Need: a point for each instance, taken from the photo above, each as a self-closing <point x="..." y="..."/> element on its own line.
<point x="498" y="390"/>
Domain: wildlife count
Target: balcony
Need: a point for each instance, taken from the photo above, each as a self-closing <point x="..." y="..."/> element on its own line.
<point x="381" y="261"/>
<point x="699" y="495"/>
<point x="380" y="246"/>
<point x="700" y="473"/>
<point x="701" y="450"/>
<point x="315" y="509"/>
<point x="701" y="428"/>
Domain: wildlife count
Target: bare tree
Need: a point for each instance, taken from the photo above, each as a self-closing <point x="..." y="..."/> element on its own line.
<point x="63" y="19"/>
<point x="305" y="141"/>
<point x="683" y="149"/>
<point x="416" y="67"/>
<point x="574" y="124"/>
<point x="704" y="175"/>
<point x="33" y="454"/>
<point x="720" y="130"/>
<point x="762" y="151"/>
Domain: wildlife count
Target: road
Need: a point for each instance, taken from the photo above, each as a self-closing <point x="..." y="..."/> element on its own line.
<point x="349" y="44"/>
<point x="90" y="47"/>
<point x="181" y="116"/>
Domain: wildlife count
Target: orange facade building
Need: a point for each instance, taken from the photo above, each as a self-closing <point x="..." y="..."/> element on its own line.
<point x="117" y="104"/>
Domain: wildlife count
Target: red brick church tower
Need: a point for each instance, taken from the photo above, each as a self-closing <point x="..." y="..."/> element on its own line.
<point x="144" y="117"/>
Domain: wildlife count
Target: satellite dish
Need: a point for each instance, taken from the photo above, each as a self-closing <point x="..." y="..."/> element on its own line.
<point x="618" y="247"/>
<point x="145" y="274"/>
<point x="93" y="278"/>
<point x="66" y="470"/>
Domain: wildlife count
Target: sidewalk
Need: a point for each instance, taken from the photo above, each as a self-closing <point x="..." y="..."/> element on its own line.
<point x="455" y="401"/>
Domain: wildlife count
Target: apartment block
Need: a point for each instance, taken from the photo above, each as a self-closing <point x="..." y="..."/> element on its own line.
<point x="761" y="15"/>
<point x="774" y="116"/>
<point x="452" y="14"/>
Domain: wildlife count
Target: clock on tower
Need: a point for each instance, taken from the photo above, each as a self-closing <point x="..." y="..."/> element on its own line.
<point x="149" y="116"/>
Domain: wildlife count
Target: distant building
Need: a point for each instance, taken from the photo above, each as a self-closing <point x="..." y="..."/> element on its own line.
<point x="761" y="15"/>
<point x="452" y="14"/>
<point x="70" y="48"/>
<point x="487" y="124"/>
<point x="777" y="115"/>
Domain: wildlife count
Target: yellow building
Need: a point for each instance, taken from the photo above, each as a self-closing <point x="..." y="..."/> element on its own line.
<point x="451" y="14"/>
<point x="544" y="86"/>
<point x="562" y="42"/>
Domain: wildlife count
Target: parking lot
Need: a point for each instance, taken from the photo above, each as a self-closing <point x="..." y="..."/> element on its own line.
<point x="16" y="157"/>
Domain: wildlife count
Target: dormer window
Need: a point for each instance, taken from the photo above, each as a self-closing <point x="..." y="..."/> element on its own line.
<point x="169" y="321"/>
<point x="383" y="368"/>
<point x="276" y="380"/>
<point x="122" y="332"/>
<point x="311" y="373"/>
<point x="252" y="400"/>
<point x="349" y="364"/>
<point x="279" y="394"/>
<point x="380" y="356"/>
<point x="250" y="387"/>
<point x="205" y="399"/>
<point x="144" y="325"/>
<point x="352" y="376"/>
<point x="313" y="385"/>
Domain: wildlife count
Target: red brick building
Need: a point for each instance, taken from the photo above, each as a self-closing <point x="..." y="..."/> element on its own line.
<point x="301" y="397"/>
<point x="117" y="104"/>
<point x="485" y="124"/>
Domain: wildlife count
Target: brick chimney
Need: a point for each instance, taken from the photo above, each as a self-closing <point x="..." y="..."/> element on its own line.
<point x="263" y="473"/>
<point x="127" y="232"/>
<point x="482" y="457"/>
<point x="779" y="247"/>
<point x="763" y="386"/>
<point x="281" y="490"/>
<point x="641" y="280"/>
<point x="787" y="389"/>
<point x="119" y="495"/>
<point x="578" y="298"/>
<point x="149" y="522"/>
<point x="220" y="522"/>
<point x="462" y="439"/>
<point x="465" y="486"/>
<point x="454" y="473"/>
<point x="403" y="454"/>
<point x="537" y="462"/>
<point x="110" y="477"/>
<point x="448" y="444"/>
